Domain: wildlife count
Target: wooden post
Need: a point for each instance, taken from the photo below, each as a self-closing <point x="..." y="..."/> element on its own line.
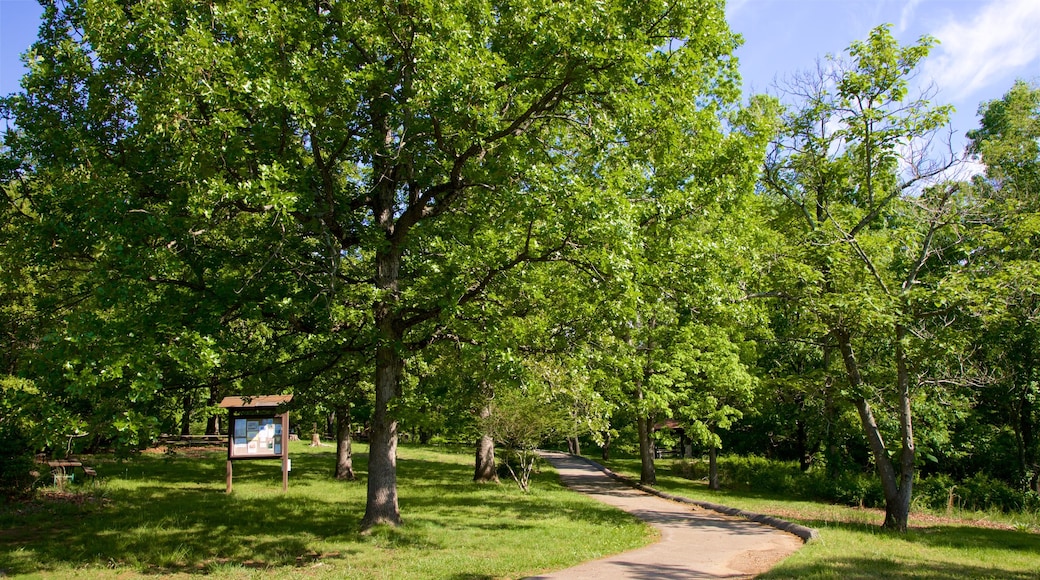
<point x="285" y="452"/>
<point x="228" y="476"/>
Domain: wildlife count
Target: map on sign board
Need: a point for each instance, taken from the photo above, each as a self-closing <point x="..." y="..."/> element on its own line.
<point x="257" y="436"/>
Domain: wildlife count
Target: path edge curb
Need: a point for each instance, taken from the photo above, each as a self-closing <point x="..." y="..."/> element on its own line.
<point x="805" y="533"/>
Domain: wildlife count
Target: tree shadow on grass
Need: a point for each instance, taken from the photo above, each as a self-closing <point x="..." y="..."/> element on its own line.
<point x="973" y="538"/>
<point x="168" y="515"/>
<point x="966" y="538"/>
<point x="164" y="530"/>
<point x="440" y="498"/>
<point x="859" y="568"/>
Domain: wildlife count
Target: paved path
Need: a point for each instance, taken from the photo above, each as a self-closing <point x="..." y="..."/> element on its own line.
<point x="695" y="543"/>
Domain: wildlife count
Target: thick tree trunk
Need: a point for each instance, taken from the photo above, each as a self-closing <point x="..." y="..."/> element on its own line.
<point x="647" y="473"/>
<point x="213" y="422"/>
<point x="484" y="470"/>
<point x="605" y="450"/>
<point x="484" y="464"/>
<point x="186" y="415"/>
<point x="713" y="468"/>
<point x="315" y="436"/>
<point x="213" y="425"/>
<point x="897" y="516"/>
<point x="381" y="506"/>
<point x="574" y="446"/>
<point x="802" y="446"/>
<point x="897" y="497"/>
<point x="344" y="451"/>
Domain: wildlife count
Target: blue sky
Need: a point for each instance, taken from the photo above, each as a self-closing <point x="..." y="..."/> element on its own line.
<point x="985" y="44"/>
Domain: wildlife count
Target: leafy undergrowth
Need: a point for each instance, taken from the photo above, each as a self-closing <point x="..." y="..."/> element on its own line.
<point x="853" y="546"/>
<point x="168" y="515"/>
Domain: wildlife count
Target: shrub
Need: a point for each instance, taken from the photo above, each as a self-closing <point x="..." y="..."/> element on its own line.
<point x="847" y="488"/>
<point x="16" y="466"/>
<point x="754" y="473"/>
<point x="748" y="473"/>
<point x="935" y="492"/>
<point x="983" y="493"/>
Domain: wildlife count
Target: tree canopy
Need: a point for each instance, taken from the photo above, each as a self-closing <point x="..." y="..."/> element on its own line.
<point x="442" y="218"/>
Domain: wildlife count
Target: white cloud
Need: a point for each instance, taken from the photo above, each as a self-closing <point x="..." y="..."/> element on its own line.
<point x="907" y="15"/>
<point x="998" y="41"/>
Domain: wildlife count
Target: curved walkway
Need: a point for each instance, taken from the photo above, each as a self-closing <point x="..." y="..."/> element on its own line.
<point x="695" y="542"/>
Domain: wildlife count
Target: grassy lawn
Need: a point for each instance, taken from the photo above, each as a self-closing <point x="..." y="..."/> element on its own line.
<point x="852" y="545"/>
<point x="169" y="516"/>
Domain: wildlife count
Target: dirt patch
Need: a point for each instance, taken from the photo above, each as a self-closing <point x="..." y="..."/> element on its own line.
<point x="192" y="451"/>
<point x="755" y="562"/>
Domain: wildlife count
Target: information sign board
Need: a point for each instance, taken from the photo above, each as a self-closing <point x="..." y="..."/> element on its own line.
<point x="257" y="437"/>
<point x="257" y="431"/>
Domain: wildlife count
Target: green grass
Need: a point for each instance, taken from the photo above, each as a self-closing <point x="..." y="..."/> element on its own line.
<point x="853" y="546"/>
<point x="169" y="516"/>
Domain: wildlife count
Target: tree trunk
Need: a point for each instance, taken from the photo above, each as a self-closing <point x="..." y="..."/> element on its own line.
<point x="213" y="425"/>
<point x="484" y="470"/>
<point x="713" y="468"/>
<point x="344" y="451"/>
<point x="801" y="445"/>
<point x="897" y="517"/>
<point x="186" y="415"/>
<point x="1024" y="431"/>
<point x="647" y="473"/>
<point x="830" y="417"/>
<point x="484" y="465"/>
<point x="213" y="422"/>
<point x="315" y="436"/>
<point x="897" y="506"/>
<point x="574" y="446"/>
<point x="381" y="505"/>
<point x="605" y="451"/>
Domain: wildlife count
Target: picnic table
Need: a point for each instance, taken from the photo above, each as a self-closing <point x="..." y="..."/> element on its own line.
<point x="64" y="469"/>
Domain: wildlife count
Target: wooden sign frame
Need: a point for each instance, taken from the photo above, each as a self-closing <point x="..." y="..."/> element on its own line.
<point x="257" y="431"/>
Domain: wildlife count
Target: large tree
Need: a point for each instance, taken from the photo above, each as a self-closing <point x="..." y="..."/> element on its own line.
<point x="334" y="177"/>
<point x="870" y="241"/>
<point x="1004" y="271"/>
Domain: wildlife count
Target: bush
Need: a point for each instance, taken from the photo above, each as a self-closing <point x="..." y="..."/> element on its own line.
<point x="983" y="493"/>
<point x="934" y="492"/>
<point x="747" y="473"/>
<point x="758" y="474"/>
<point x="980" y="492"/>
<point x="937" y="492"/>
<point x="16" y="466"/>
<point x="846" y="488"/>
